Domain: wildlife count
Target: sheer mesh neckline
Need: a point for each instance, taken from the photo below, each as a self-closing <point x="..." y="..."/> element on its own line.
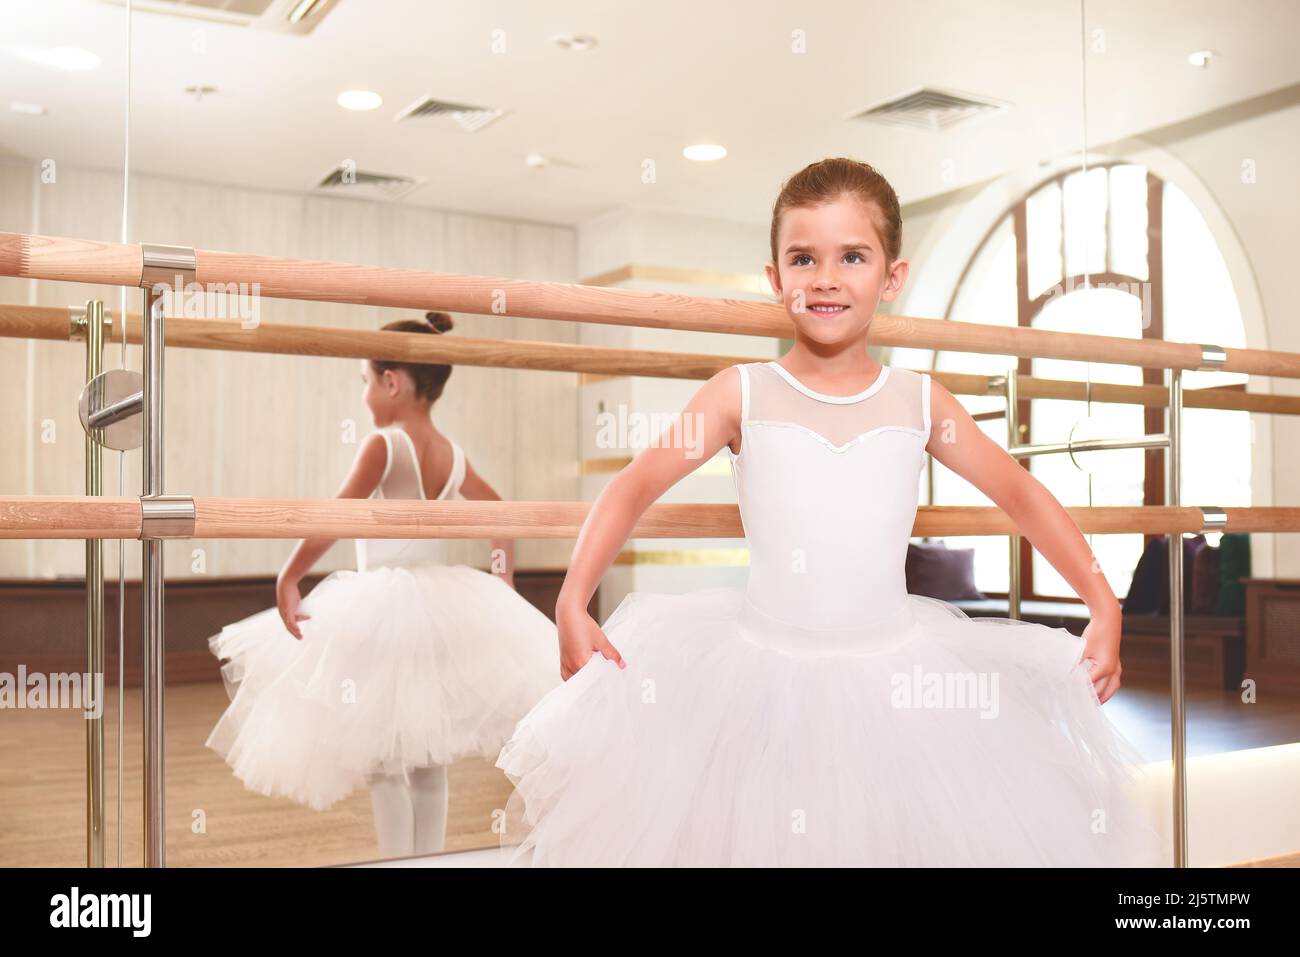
<point x="415" y="460"/>
<point x="824" y="397"/>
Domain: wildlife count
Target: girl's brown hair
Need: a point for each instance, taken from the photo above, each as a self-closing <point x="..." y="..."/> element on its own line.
<point x="828" y="180"/>
<point x="428" y="378"/>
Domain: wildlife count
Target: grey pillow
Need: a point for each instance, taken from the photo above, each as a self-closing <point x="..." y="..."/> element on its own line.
<point x="937" y="571"/>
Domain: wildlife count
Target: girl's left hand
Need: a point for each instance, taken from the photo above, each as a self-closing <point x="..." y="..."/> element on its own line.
<point x="1102" y="638"/>
<point x="287" y="600"/>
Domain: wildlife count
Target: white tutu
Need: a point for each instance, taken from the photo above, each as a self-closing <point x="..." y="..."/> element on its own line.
<point x="735" y="739"/>
<point x="398" y="667"/>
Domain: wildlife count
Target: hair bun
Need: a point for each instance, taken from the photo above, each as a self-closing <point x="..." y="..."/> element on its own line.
<point x="438" y="321"/>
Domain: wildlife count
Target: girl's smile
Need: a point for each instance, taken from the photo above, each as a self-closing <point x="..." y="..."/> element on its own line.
<point x="827" y="309"/>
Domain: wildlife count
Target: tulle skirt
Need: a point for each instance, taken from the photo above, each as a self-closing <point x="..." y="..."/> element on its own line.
<point x="734" y="739"/>
<point x="398" y="667"/>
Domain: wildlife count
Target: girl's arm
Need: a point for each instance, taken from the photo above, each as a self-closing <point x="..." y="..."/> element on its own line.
<point x="503" y="549"/>
<point x="708" y="422"/>
<point x="959" y="443"/>
<point x="367" y="470"/>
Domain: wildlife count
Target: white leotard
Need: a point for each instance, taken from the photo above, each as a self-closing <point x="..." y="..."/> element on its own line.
<point x="402" y="480"/>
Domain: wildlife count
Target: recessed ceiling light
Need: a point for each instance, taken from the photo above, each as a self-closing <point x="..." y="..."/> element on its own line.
<point x="1201" y="58"/>
<point x="704" y="152"/>
<point x="59" y="58"/>
<point x="31" y="109"/>
<point x="574" y="41"/>
<point x="359" y="100"/>
<point x="536" y="160"/>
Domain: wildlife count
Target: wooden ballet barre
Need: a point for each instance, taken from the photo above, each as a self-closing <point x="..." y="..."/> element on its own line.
<point x="53" y="323"/>
<point x="30" y="256"/>
<point x="69" y="516"/>
<point x="79" y="517"/>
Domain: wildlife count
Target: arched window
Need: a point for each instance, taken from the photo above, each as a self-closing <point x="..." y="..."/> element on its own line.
<point x="1154" y="271"/>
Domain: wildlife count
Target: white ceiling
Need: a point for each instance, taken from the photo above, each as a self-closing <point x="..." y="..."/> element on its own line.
<point x="663" y="75"/>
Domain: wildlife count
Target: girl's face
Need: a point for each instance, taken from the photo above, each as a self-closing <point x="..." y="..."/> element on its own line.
<point x="831" y="271"/>
<point x="382" y="392"/>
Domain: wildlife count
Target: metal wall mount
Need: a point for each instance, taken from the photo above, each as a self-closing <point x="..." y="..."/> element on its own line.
<point x="166" y="516"/>
<point x="111" y="409"/>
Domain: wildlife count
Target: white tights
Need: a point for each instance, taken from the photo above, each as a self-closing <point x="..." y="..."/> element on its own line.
<point x="410" y="810"/>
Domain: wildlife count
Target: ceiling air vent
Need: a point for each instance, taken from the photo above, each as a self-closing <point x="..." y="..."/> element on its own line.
<point x="469" y="118"/>
<point x="279" y="16"/>
<point x="931" y="109"/>
<point x="352" y="183"/>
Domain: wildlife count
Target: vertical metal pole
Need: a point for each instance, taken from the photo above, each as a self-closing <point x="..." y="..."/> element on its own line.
<point x="1178" y="722"/>
<point x="1013" y="439"/>
<point x="163" y="267"/>
<point x="152" y="661"/>
<point x="94" y="322"/>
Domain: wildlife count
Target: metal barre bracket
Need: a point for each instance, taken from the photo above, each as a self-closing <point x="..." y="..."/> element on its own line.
<point x="1212" y="356"/>
<point x="1213" y="518"/>
<point x="77" y="323"/>
<point x="163" y="264"/>
<point x="166" y="516"/>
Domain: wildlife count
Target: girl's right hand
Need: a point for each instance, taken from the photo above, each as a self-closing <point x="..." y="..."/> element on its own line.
<point x="580" y="638"/>
<point x="287" y="600"/>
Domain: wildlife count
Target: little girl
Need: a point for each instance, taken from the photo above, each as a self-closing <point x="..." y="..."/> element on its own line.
<point x="821" y="715"/>
<point x="387" y="674"/>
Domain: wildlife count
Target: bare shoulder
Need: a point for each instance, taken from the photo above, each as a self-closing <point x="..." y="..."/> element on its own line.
<point x="471" y="474"/>
<point x="921" y="375"/>
<point x="941" y="398"/>
<point x="719" y="400"/>
<point x="952" y="428"/>
<point x="934" y="411"/>
<point x="721" y="392"/>
<point x="373" y="448"/>
<point x="475" y="486"/>
<point x="372" y="455"/>
<point x="367" y="468"/>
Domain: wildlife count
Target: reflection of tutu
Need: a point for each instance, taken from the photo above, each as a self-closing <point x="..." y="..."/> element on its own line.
<point x="735" y="739"/>
<point x="398" y="667"/>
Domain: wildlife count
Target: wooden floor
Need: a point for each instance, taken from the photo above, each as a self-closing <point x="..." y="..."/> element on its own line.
<point x="212" y="820"/>
<point x="1217" y="721"/>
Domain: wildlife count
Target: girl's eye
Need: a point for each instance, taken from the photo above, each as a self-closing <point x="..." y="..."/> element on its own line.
<point x="795" y="261"/>
<point x="859" y="255"/>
